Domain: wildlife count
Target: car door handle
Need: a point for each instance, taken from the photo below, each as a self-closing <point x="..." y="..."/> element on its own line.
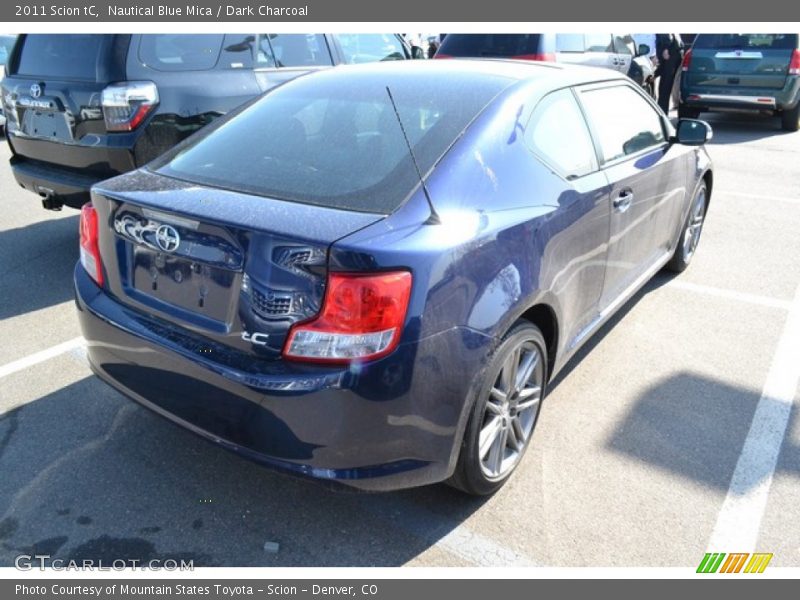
<point x="623" y="201"/>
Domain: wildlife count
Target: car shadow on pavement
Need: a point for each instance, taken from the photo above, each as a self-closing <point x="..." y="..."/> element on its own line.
<point x="694" y="426"/>
<point x="36" y="264"/>
<point x="738" y="128"/>
<point x="88" y="474"/>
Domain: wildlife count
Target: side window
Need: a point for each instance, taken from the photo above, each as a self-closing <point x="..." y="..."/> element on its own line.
<point x="557" y="134"/>
<point x="237" y="51"/>
<point x="293" y="50"/>
<point x="370" y="47"/>
<point x="569" y="42"/>
<point x="623" y="121"/>
<point x="180" y="52"/>
<point x="598" y="42"/>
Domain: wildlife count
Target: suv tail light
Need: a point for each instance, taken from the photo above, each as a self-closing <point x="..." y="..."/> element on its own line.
<point x="125" y="105"/>
<point x="361" y="319"/>
<point x="90" y="250"/>
<point x="794" y="64"/>
<point x="687" y="60"/>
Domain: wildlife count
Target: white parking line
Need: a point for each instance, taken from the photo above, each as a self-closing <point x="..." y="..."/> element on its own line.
<point x="38" y="357"/>
<point x="789" y="199"/>
<point x="739" y="521"/>
<point x="730" y="294"/>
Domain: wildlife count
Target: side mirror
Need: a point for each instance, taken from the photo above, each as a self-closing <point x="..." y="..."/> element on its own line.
<point x="693" y="132"/>
<point x="417" y="52"/>
<point x="644" y="50"/>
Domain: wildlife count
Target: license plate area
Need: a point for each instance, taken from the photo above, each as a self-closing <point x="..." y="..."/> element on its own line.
<point x="196" y="287"/>
<point x="46" y="124"/>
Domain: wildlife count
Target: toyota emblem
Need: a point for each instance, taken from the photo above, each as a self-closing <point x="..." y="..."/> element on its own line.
<point x="167" y="238"/>
<point x="36" y="90"/>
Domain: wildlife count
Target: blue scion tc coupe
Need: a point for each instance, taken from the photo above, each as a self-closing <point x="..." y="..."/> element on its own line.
<point x="370" y="274"/>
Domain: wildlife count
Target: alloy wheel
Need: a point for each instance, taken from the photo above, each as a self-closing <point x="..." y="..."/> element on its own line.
<point x="510" y="411"/>
<point x="695" y="226"/>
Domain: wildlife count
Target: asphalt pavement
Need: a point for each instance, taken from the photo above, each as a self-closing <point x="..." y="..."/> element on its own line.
<point x="653" y="445"/>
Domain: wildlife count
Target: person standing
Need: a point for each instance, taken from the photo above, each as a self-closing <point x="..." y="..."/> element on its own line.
<point x="668" y="50"/>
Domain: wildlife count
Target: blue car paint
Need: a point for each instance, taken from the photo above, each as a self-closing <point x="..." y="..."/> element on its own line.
<point x="513" y="235"/>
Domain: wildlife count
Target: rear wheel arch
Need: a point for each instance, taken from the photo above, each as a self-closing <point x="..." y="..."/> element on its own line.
<point x="544" y="317"/>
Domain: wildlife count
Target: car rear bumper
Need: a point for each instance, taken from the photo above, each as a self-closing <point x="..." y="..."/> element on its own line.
<point x="721" y="100"/>
<point x="738" y="98"/>
<point x="65" y="172"/>
<point x="387" y="425"/>
<point x="53" y="184"/>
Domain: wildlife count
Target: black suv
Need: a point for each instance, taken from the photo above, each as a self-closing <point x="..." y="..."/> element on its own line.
<point x="83" y="108"/>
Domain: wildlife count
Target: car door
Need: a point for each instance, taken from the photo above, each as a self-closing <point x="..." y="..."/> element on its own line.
<point x="574" y="256"/>
<point x="600" y="52"/>
<point x="647" y="178"/>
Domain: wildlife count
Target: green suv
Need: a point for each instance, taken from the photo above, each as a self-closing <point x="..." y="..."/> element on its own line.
<point x="743" y="71"/>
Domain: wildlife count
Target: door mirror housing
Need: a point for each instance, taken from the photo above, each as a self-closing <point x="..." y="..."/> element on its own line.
<point x="644" y="50"/>
<point x="693" y="132"/>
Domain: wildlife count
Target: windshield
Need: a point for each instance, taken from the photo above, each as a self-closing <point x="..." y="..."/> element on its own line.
<point x="334" y="140"/>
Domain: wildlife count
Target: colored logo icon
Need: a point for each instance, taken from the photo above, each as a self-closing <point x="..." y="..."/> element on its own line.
<point x="720" y="562"/>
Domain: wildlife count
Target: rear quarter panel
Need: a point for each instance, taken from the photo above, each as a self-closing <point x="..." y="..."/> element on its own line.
<point x="513" y="234"/>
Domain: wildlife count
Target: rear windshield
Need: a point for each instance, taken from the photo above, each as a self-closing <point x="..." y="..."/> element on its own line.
<point x="335" y="140"/>
<point x="61" y="56"/>
<point x="742" y="41"/>
<point x="490" y="44"/>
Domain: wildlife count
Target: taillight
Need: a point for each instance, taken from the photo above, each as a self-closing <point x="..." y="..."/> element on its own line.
<point x="546" y="57"/>
<point x="442" y="55"/>
<point x="794" y="64"/>
<point x="361" y="319"/>
<point x="90" y="249"/>
<point x="125" y="105"/>
<point x="687" y="60"/>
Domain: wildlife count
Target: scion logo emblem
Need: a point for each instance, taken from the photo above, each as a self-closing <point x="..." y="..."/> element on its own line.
<point x="167" y="238"/>
<point x="36" y="90"/>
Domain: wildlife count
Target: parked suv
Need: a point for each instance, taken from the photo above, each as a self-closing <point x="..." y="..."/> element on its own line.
<point x="743" y="71"/>
<point x="83" y="108"/>
<point x="612" y="51"/>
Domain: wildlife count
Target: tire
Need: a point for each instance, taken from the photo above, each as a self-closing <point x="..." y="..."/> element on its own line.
<point x="690" y="234"/>
<point x="685" y="112"/>
<point x="790" y="119"/>
<point x="483" y="473"/>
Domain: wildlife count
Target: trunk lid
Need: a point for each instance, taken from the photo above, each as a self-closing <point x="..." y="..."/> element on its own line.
<point x="236" y="269"/>
<point x="741" y="60"/>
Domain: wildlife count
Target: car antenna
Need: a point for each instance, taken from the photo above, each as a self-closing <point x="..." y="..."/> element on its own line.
<point x="433" y="219"/>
